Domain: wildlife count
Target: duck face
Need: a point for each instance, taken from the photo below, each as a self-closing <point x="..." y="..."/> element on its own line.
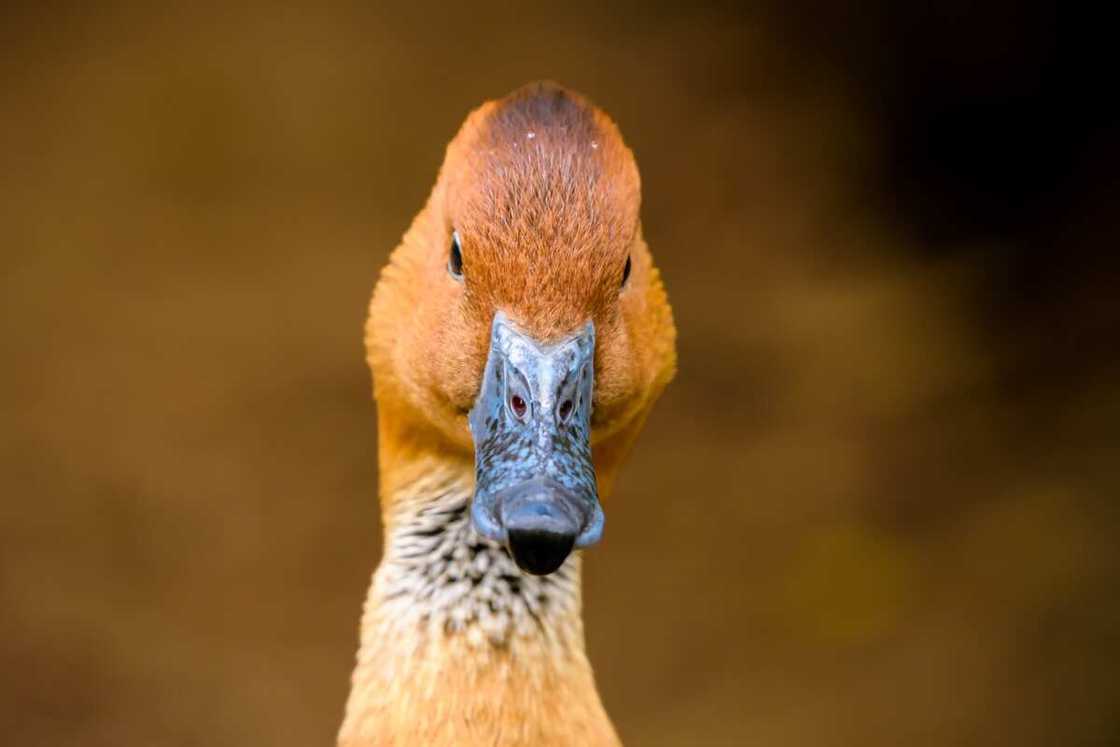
<point x="540" y="328"/>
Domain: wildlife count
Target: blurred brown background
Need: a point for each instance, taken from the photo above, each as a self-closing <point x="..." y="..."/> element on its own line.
<point x="877" y="507"/>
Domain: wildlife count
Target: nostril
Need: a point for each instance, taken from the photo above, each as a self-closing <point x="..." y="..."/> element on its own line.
<point x="517" y="404"/>
<point x="565" y="409"/>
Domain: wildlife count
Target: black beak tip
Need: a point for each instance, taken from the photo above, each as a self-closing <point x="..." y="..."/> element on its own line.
<point x="540" y="529"/>
<point x="539" y="550"/>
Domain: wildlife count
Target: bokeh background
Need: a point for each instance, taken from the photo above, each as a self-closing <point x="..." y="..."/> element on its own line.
<point x="877" y="507"/>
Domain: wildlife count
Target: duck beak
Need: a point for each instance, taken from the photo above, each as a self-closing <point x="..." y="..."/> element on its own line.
<point x="535" y="489"/>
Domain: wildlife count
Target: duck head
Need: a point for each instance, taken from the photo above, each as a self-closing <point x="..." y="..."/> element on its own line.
<point x="522" y="323"/>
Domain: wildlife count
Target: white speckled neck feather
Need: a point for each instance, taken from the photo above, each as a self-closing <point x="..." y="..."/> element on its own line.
<point x="439" y="577"/>
<point x="459" y="645"/>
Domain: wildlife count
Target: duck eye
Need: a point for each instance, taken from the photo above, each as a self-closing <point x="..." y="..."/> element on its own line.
<point x="625" y="273"/>
<point x="455" y="261"/>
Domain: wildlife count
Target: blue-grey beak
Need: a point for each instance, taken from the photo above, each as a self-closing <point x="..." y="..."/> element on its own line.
<point x="535" y="489"/>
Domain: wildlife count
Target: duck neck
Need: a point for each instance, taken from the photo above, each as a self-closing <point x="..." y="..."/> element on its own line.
<point x="458" y="645"/>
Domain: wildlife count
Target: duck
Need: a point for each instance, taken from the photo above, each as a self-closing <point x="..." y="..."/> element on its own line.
<point x="518" y="338"/>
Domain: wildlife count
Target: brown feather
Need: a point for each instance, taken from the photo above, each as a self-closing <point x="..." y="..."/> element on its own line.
<point x="545" y="197"/>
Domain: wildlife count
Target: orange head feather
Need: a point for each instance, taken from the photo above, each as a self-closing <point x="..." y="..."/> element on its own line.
<point x="544" y="198"/>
